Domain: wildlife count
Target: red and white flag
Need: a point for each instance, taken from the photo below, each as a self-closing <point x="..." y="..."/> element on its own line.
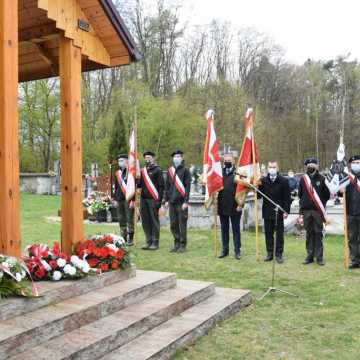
<point x="132" y="168"/>
<point x="212" y="175"/>
<point x="246" y="160"/>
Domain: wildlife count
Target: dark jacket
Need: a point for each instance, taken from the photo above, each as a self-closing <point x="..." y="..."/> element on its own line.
<point x="156" y="176"/>
<point x="352" y="200"/>
<point x="119" y="195"/>
<point x="171" y="192"/>
<point x="318" y="183"/>
<point x="226" y="198"/>
<point x="278" y="191"/>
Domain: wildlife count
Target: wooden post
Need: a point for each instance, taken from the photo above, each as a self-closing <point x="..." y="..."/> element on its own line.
<point x="9" y="147"/>
<point x="71" y="145"/>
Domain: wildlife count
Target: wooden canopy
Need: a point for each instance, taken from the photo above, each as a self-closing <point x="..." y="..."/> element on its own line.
<point x="94" y="25"/>
<point x="40" y="39"/>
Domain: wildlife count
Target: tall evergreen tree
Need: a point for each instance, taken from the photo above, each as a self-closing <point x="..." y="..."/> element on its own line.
<point x="119" y="142"/>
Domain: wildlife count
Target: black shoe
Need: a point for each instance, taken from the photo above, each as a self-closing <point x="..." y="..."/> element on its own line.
<point x="268" y="257"/>
<point x="223" y="255"/>
<point x="308" y="261"/>
<point x="279" y="259"/>
<point x="153" y="247"/>
<point x="146" y="247"/>
<point x="174" y="249"/>
<point x="182" y="249"/>
<point x="130" y="241"/>
<point x="320" y="262"/>
<point x="354" y="266"/>
<point x="237" y="256"/>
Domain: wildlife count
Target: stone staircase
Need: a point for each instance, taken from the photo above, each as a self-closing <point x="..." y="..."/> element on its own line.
<point x="114" y="316"/>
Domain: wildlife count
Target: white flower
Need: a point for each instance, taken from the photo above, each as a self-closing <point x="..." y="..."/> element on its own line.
<point x="6" y="265"/>
<point x="46" y="265"/>
<point x="85" y="267"/>
<point x="61" y="262"/>
<point x="112" y="247"/>
<point x="75" y="260"/>
<point x="1" y="274"/>
<point x="57" y="275"/>
<point x="11" y="261"/>
<point x="118" y="240"/>
<point x="18" y="277"/>
<point x="69" y="270"/>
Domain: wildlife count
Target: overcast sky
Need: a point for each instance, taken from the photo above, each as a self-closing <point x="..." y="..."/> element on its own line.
<point x="317" y="29"/>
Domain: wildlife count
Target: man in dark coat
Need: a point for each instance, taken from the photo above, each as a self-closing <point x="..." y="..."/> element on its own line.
<point x="277" y="188"/>
<point x="177" y="192"/>
<point x="125" y="209"/>
<point x="152" y="189"/>
<point x="313" y="195"/>
<point x="228" y="210"/>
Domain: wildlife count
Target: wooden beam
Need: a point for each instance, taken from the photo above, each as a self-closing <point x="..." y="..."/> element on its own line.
<point x="71" y="145"/>
<point x="38" y="32"/>
<point x="9" y="146"/>
<point x="48" y="58"/>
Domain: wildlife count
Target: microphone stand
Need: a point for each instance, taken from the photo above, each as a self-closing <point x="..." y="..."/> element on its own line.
<point x="277" y="208"/>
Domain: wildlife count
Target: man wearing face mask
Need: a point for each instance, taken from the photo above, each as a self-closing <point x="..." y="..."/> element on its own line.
<point x="350" y="185"/>
<point x="313" y="195"/>
<point x="152" y="189"/>
<point x="177" y="192"/>
<point x="277" y="188"/>
<point x="228" y="209"/>
<point x="125" y="208"/>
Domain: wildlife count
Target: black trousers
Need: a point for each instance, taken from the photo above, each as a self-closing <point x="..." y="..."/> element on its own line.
<point x="126" y="218"/>
<point x="149" y="212"/>
<point x="270" y="228"/>
<point x="235" y="225"/>
<point x="314" y="227"/>
<point x="354" y="238"/>
<point x="178" y="223"/>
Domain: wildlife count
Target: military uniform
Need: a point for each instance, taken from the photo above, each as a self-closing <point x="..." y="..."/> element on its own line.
<point x="151" y="204"/>
<point x="177" y="194"/>
<point x="125" y="213"/>
<point x="312" y="216"/>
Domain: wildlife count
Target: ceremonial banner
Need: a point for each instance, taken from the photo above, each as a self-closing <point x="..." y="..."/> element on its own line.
<point x="132" y="168"/>
<point x="248" y="164"/>
<point x="212" y="174"/>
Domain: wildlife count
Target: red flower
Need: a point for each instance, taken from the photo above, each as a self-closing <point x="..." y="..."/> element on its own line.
<point x="120" y="254"/>
<point x="53" y="264"/>
<point x="40" y="273"/>
<point x="64" y="256"/>
<point x="115" y="265"/>
<point x="104" y="267"/>
<point x="56" y="249"/>
<point x="93" y="262"/>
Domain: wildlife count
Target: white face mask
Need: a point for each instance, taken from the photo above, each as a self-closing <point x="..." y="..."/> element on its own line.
<point x="122" y="163"/>
<point x="355" y="168"/>
<point x="177" y="160"/>
<point x="272" y="171"/>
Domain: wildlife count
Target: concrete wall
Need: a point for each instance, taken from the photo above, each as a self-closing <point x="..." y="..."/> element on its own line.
<point x="37" y="183"/>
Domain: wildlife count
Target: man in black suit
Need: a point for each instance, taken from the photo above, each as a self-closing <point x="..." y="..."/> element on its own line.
<point x="228" y="209"/>
<point x="277" y="188"/>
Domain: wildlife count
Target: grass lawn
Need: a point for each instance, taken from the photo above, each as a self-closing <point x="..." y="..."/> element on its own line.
<point x="322" y="323"/>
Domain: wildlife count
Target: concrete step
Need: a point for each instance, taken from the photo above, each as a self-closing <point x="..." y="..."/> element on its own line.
<point x="162" y="341"/>
<point x="26" y="331"/>
<point x="102" y="336"/>
<point x="53" y="292"/>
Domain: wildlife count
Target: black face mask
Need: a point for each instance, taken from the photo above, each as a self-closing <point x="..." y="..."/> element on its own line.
<point x="228" y="164"/>
<point x="311" y="171"/>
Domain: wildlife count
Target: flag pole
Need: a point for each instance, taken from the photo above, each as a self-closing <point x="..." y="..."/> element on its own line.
<point x="136" y="197"/>
<point x="346" y="234"/>
<point x="215" y="226"/>
<point x="255" y="195"/>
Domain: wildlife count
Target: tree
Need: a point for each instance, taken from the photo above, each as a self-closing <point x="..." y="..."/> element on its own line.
<point x="118" y="143"/>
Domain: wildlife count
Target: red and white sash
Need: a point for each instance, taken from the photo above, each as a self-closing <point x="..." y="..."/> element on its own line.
<point x="175" y="178"/>
<point x="314" y="196"/>
<point x="149" y="184"/>
<point x="121" y="181"/>
<point x="355" y="182"/>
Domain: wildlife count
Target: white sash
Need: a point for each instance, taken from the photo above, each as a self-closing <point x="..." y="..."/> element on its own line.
<point x="149" y="184"/>
<point x="314" y="196"/>
<point x="179" y="185"/>
<point x="121" y="181"/>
